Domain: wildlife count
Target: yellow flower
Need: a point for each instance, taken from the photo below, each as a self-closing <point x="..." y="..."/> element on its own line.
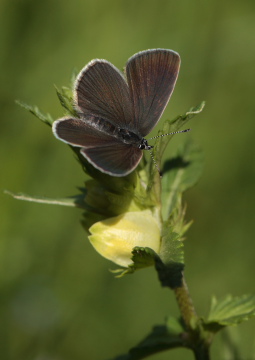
<point x="114" y="238"/>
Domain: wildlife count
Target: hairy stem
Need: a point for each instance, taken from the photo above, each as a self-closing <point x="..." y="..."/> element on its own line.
<point x="197" y="339"/>
<point x="185" y="304"/>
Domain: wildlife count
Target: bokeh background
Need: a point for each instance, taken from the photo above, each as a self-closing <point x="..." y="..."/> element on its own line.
<point x="58" y="299"/>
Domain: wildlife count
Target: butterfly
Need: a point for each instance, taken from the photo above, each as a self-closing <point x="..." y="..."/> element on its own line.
<point x="115" y="112"/>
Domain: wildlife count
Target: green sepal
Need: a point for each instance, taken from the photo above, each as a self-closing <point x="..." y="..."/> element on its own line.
<point x="46" y="118"/>
<point x="102" y="198"/>
<point x="89" y="218"/>
<point x="112" y="196"/>
<point x="161" y="338"/>
<point x="230" y="311"/>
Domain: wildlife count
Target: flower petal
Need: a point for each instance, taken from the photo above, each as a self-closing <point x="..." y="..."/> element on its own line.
<point x="114" y="238"/>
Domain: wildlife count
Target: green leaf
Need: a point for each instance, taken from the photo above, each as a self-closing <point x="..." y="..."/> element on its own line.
<point x="73" y="201"/>
<point x="230" y="311"/>
<point x="181" y="172"/>
<point x="46" y="118"/>
<point x="66" y="100"/>
<point x="170" y="264"/>
<point x="161" y="338"/>
<point x="160" y="145"/>
<point x="142" y="257"/>
<point x="174" y="325"/>
<point x="73" y="78"/>
<point x="170" y="126"/>
<point x="172" y="245"/>
<point x="177" y="218"/>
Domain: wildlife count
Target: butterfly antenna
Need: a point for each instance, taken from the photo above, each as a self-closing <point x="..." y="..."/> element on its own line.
<point x="172" y="133"/>
<point x="155" y="137"/>
<point x="155" y="163"/>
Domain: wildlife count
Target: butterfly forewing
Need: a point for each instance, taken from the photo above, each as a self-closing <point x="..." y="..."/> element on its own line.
<point x="117" y="160"/>
<point x="151" y="77"/>
<point x="101" y="90"/>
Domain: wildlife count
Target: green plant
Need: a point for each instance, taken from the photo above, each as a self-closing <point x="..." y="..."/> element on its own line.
<point x="139" y="221"/>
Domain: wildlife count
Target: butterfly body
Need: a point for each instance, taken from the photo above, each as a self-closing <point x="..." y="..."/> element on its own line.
<point x="117" y="112"/>
<point x="123" y="135"/>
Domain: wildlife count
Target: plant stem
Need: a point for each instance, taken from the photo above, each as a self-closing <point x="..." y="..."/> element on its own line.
<point x="185" y="304"/>
<point x="197" y="339"/>
<point x="202" y="353"/>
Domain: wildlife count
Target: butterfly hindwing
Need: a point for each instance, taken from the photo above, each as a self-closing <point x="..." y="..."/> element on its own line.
<point x="117" y="160"/>
<point x="81" y="133"/>
<point x="104" y="151"/>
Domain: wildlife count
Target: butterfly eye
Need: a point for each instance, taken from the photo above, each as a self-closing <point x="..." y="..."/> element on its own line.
<point x="145" y="146"/>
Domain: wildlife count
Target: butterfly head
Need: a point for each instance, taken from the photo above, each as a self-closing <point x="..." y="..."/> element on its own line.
<point x="144" y="145"/>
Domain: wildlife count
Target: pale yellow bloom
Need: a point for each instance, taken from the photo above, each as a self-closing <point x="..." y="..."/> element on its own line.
<point x="114" y="238"/>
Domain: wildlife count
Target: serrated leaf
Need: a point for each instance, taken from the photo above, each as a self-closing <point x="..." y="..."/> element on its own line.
<point x="72" y="201"/>
<point x="46" y="118"/>
<point x="161" y="144"/>
<point x="66" y="100"/>
<point x="177" y="218"/>
<point x="230" y="311"/>
<point x="142" y="257"/>
<point x="73" y="77"/>
<point x="172" y="126"/>
<point x="181" y="172"/>
<point x="172" y="246"/>
<point x="171" y="265"/>
<point x="160" y="339"/>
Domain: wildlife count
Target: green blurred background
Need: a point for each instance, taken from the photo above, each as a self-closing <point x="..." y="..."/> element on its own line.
<point x="58" y="299"/>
